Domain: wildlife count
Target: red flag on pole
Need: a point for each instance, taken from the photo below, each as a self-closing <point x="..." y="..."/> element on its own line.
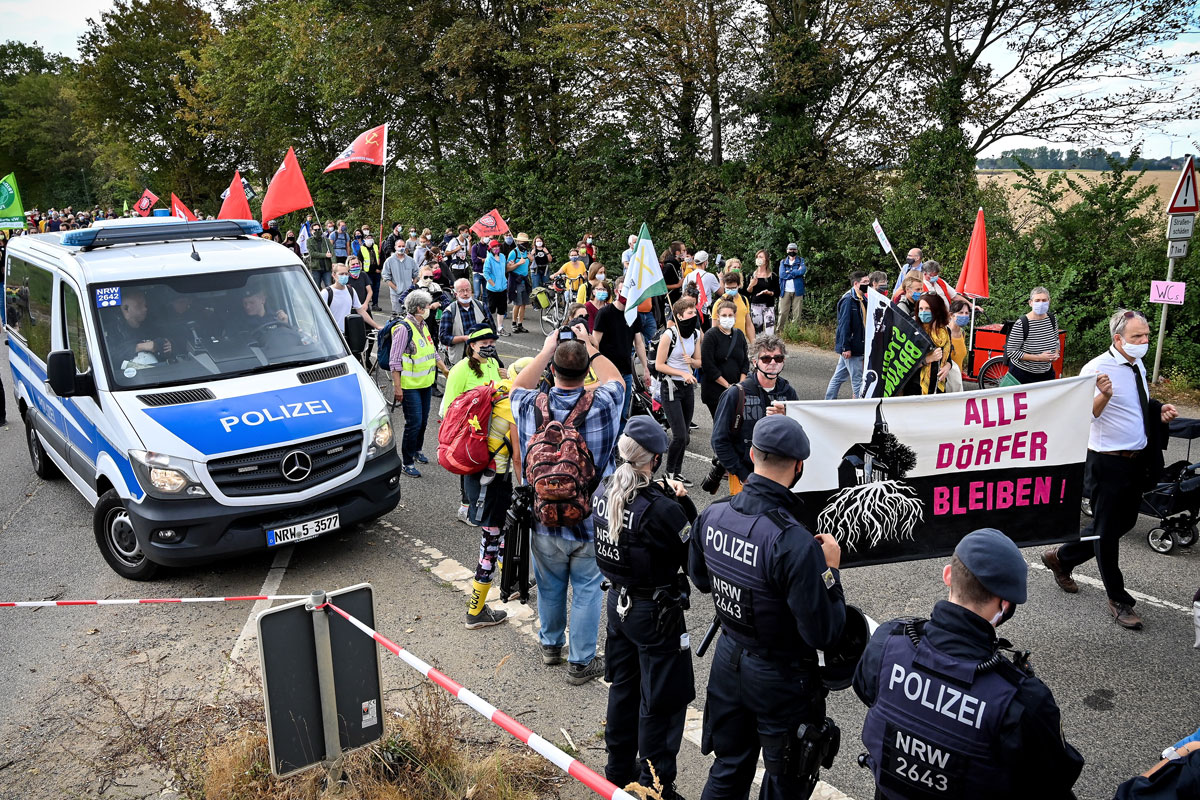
<point x="287" y="191"/>
<point x="235" y="206"/>
<point x="369" y="148"/>
<point x="702" y="301"/>
<point x="178" y="209"/>
<point x="145" y="203"/>
<point x="490" y="224"/>
<point x="973" y="280"/>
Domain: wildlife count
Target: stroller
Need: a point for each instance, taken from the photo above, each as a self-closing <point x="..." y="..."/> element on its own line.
<point x="644" y="403"/>
<point x="1176" y="498"/>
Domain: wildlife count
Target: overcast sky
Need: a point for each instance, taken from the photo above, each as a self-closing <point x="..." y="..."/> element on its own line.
<point x="59" y="32"/>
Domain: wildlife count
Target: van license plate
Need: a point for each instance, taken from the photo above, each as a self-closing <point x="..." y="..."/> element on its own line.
<point x="301" y="531"/>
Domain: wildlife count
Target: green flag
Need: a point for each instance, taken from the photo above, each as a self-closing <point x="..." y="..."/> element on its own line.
<point x="644" y="278"/>
<point x="125" y="210"/>
<point x="12" y="214"/>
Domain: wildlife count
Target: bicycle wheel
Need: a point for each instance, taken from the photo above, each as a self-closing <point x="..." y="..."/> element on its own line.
<point x="550" y="315"/>
<point x="992" y="372"/>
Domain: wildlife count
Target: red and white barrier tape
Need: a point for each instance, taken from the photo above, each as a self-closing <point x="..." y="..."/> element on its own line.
<point x="572" y="766"/>
<point x="150" y="601"/>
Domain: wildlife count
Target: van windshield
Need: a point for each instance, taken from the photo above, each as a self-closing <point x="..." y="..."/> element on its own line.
<point x="195" y="328"/>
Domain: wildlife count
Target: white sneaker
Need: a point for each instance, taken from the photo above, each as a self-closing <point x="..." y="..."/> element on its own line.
<point x="465" y="517"/>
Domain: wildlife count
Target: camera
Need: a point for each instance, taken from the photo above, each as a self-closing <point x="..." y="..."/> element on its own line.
<point x="712" y="482"/>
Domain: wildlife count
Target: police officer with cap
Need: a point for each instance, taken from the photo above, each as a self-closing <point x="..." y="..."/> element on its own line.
<point x="779" y="599"/>
<point x="642" y="532"/>
<point x="949" y="714"/>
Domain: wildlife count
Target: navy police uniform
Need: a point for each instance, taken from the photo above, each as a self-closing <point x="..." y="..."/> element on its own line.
<point x="949" y="715"/>
<point x="778" y="603"/>
<point x="647" y="655"/>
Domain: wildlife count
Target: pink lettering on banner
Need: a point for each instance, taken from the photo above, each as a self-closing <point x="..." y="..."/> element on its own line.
<point x="993" y="495"/>
<point x="991" y="412"/>
<point x="1019" y="446"/>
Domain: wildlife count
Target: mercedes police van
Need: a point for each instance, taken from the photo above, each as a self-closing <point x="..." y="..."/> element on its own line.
<point x="189" y="380"/>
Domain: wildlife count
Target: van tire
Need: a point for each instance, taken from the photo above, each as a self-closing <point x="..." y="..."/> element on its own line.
<point x="43" y="467"/>
<point x="118" y="545"/>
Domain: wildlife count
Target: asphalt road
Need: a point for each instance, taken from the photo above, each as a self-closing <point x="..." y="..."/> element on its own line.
<point x="1125" y="695"/>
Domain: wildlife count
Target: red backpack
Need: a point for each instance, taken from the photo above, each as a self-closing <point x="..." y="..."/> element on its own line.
<point x="559" y="465"/>
<point x="463" y="435"/>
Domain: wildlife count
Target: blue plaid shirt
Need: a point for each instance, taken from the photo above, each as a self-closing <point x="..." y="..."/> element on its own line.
<point x="600" y="429"/>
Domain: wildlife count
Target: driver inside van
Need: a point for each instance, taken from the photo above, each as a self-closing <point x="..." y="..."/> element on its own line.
<point x="133" y="341"/>
<point x="254" y="313"/>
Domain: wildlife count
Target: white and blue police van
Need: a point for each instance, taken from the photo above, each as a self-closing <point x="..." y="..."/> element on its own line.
<point x="191" y="383"/>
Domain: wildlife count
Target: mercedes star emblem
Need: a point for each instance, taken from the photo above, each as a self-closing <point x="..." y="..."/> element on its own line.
<point x="296" y="466"/>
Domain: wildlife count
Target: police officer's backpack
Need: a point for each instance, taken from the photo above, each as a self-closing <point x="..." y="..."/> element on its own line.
<point x="559" y="465"/>
<point x="383" y="344"/>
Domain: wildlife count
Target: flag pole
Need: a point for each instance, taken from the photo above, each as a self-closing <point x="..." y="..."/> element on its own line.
<point x="383" y="193"/>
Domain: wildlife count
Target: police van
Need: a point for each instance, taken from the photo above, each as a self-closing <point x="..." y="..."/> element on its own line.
<point x="190" y="382"/>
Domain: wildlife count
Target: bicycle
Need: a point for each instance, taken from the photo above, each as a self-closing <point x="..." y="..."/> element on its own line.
<point x="555" y="314"/>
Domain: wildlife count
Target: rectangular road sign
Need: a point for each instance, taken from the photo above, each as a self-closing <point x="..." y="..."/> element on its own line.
<point x="1169" y="292"/>
<point x="291" y="684"/>
<point x="1177" y="248"/>
<point x="1180" y="226"/>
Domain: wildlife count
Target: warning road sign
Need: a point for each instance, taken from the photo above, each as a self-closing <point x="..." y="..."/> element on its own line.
<point x="1186" y="199"/>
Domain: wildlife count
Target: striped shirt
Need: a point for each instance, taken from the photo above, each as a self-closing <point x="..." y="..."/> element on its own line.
<point x="1042" y="338"/>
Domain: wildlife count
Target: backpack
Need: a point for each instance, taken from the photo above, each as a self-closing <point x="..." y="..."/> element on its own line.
<point x="383" y="344"/>
<point x="559" y="465"/>
<point x="1023" y="321"/>
<point x="463" y="435"/>
<point x="656" y="378"/>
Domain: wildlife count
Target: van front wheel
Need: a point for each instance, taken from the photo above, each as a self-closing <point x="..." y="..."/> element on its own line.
<point x="43" y="467"/>
<point x="117" y="541"/>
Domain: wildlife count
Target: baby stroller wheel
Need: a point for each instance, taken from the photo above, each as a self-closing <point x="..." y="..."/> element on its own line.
<point x="1185" y="535"/>
<point x="1160" y="540"/>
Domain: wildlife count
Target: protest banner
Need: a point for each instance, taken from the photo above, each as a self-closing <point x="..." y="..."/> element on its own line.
<point x="12" y="213"/>
<point x="490" y="224"/>
<point x="902" y="479"/>
<point x="894" y="348"/>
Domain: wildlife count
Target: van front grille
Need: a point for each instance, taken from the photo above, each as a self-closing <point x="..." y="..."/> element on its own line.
<point x="262" y="472"/>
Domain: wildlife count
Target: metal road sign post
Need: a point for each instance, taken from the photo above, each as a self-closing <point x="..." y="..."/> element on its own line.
<point x="1185" y="202"/>
<point x="322" y="681"/>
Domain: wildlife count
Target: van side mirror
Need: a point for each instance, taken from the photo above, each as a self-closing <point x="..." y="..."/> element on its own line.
<point x="61" y="372"/>
<point x="356" y="333"/>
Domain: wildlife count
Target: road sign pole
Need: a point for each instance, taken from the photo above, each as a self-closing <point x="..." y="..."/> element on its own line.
<point x="329" y="708"/>
<point x="1162" y="325"/>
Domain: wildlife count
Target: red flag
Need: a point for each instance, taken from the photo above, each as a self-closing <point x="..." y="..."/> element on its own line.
<point x="145" y="203"/>
<point x="235" y="205"/>
<point x="287" y="192"/>
<point x="490" y="224"/>
<point x="973" y="280"/>
<point x="178" y="209"/>
<point x="702" y="301"/>
<point x="369" y="148"/>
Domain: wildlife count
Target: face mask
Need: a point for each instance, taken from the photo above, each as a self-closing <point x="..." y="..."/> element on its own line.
<point x="538" y="245"/>
<point x="599" y="276"/>
<point x="508" y="240"/>
<point x="925" y="316"/>
<point x="466" y="301"/>
<point x="762" y="262"/>
<point x="425" y="281"/>
<point x="368" y="241"/>
<point x="1041" y="306"/>
<point x="917" y="296"/>
<point x="1135" y="350"/>
<point x="791" y="254"/>
<point x="424" y="314"/>
<point x="687" y="327"/>
<point x="588" y="240"/>
<point x="488" y="351"/>
<point x="910" y="261"/>
<point x="726" y="323"/>
<point x="731" y="292"/>
<point x="354" y="273"/>
<point x="799" y="475"/>
<point x="343" y="279"/>
<point x="863" y="289"/>
<point x="412" y="234"/>
<point x="962" y="320"/>
<point x="1004" y="615"/>
<point x="601" y="295"/>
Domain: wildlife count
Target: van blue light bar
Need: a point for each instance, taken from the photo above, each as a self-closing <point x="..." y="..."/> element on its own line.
<point x="143" y="233"/>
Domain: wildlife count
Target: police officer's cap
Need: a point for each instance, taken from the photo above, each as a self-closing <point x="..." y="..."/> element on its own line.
<point x="782" y="436"/>
<point x="648" y="433"/>
<point x="994" y="560"/>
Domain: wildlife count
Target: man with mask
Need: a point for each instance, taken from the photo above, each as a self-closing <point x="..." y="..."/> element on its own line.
<point x="792" y="270"/>
<point x="359" y="281"/>
<point x="389" y="243"/>
<point x="949" y="714"/>
<point x="413" y="240"/>
<point x="459" y="318"/>
<point x="779" y="600"/>
<point x="519" y="262"/>
<point x="616" y="339"/>
<point x="340" y="239"/>
<point x="851" y="337"/>
<point x="458" y="253"/>
<point x="320" y="258"/>
<point x="368" y="251"/>
<point x="399" y="273"/>
<point x="744" y="404"/>
<point x="1125" y="456"/>
<point x="912" y="261"/>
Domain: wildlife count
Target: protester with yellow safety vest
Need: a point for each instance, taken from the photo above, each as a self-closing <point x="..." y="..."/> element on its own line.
<point x="414" y="363"/>
<point x="368" y="251"/>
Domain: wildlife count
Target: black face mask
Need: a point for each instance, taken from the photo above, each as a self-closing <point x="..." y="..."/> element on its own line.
<point x="687" y="327"/>
<point x="488" y="351"/>
<point x="658" y="459"/>
<point x="796" y="479"/>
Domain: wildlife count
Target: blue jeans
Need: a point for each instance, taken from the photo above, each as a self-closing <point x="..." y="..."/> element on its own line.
<point x="649" y="328"/>
<point x="557" y="562"/>
<point x="537" y="278"/>
<point x="416" y="414"/>
<point x="847" y="368"/>
<point x="480" y="285"/>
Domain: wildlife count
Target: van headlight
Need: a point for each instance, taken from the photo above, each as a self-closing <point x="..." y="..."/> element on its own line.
<point x="166" y="476"/>
<point x="379" y="435"/>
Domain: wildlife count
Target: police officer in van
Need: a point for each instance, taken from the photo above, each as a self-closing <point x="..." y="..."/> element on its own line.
<point x="779" y="600"/>
<point x="949" y="715"/>
<point x="642" y="532"/>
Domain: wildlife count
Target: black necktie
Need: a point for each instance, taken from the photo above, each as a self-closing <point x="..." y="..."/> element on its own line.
<point x="1142" y="398"/>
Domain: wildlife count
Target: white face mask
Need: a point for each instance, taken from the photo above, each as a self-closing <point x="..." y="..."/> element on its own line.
<point x="368" y="241"/>
<point x="466" y="301"/>
<point x="762" y="262"/>
<point x="537" y="244"/>
<point x="1134" y="350"/>
<point x="999" y="616"/>
<point x="726" y="323"/>
<point x="599" y="276"/>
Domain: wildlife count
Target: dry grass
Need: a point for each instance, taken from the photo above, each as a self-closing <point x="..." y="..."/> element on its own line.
<point x="1163" y="182"/>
